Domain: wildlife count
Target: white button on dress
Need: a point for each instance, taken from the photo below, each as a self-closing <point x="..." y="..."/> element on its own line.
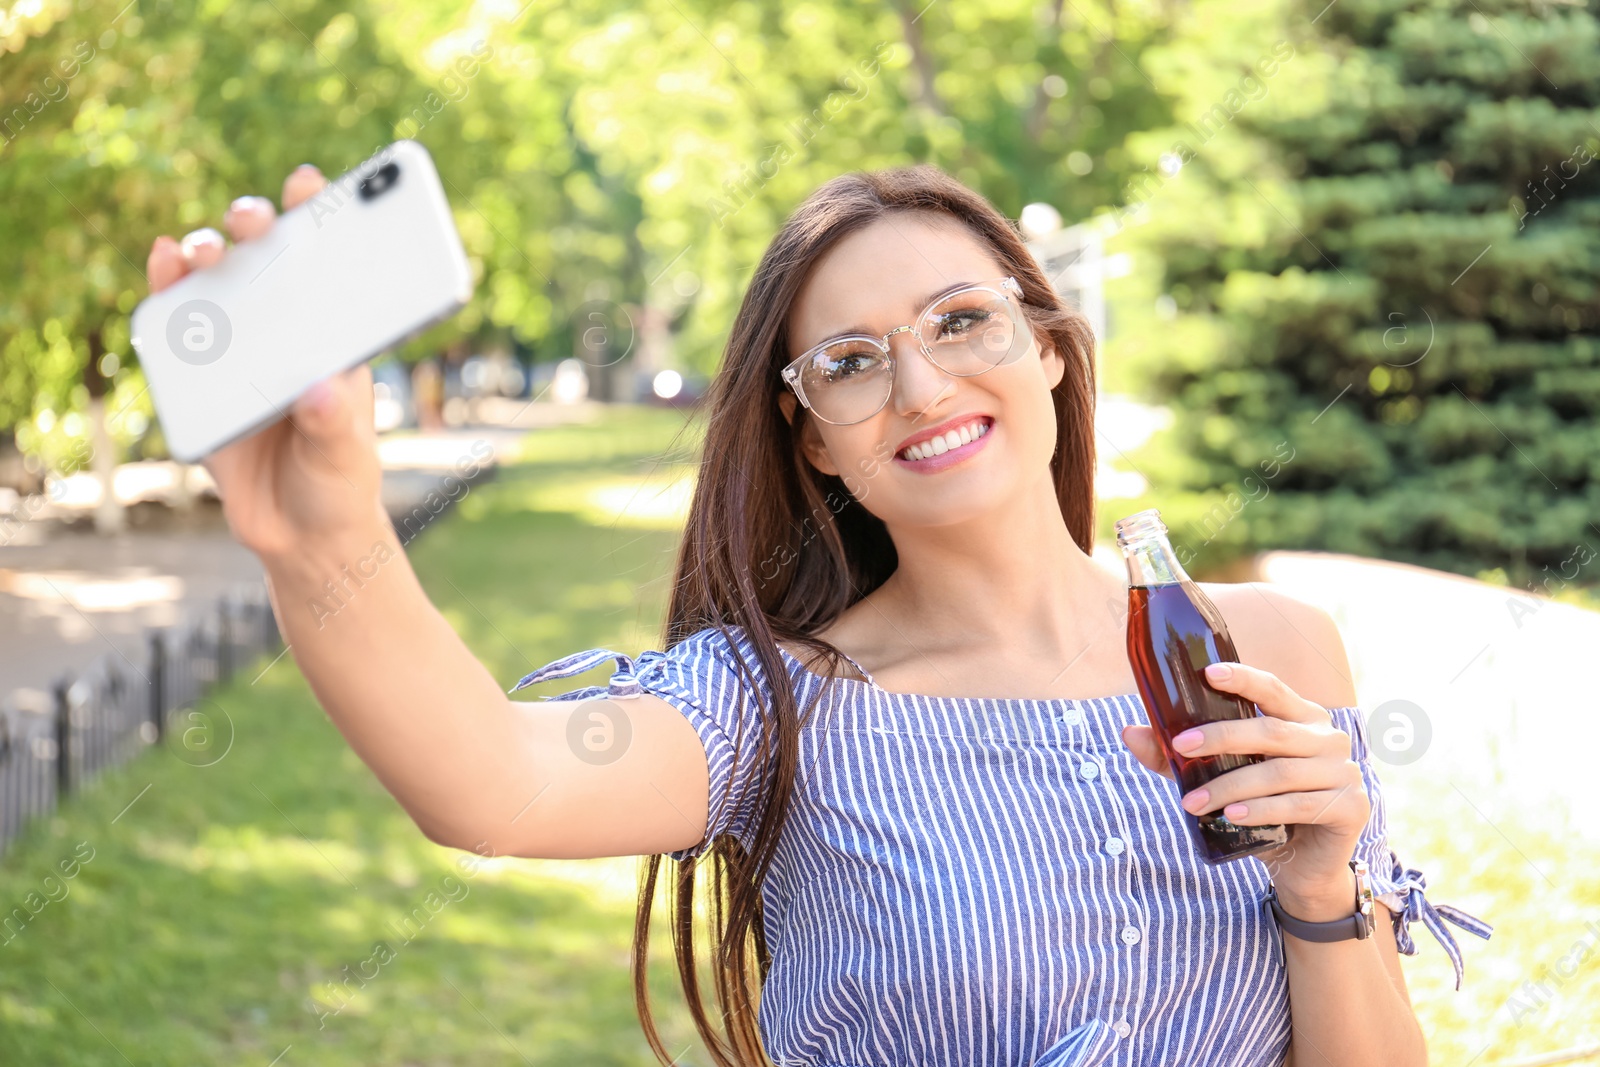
<point x="1122" y="1028"/>
<point x="1088" y="771"/>
<point x="1130" y="935"/>
<point x="1114" y="846"/>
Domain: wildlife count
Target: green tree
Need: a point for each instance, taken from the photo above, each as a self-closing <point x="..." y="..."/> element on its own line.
<point x="75" y="174"/>
<point x="640" y="155"/>
<point x="1381" y="277"/>
<point x="121" y="125"/>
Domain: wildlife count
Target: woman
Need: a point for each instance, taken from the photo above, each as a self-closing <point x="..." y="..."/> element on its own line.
<point x="894" y="719"/>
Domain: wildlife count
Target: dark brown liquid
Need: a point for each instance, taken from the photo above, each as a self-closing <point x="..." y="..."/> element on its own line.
<point x="1174" y="632"/>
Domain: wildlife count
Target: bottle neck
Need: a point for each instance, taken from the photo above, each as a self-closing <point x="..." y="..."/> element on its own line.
<point x="1151" y="561"/>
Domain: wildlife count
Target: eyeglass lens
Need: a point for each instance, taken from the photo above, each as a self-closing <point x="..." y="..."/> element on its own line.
<point x="965" y="334"/>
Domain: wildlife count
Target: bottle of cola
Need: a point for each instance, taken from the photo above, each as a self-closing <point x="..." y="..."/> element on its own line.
<point x="1174" y="633"/>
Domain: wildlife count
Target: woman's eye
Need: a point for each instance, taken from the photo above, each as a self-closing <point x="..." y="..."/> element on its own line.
<point x="849" y="365"/>
<point x="959" y="323"/>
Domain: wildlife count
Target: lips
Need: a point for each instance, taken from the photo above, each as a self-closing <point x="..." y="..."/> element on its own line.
<point x="945" y="437"/>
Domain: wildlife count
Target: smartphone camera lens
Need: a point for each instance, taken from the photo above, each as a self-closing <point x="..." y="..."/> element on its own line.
<point x="381" y="181"/>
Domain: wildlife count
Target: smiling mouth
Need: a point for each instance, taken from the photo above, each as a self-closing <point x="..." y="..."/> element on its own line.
<point x="964" y="434"/>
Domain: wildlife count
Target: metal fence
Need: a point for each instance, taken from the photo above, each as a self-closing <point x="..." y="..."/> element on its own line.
<point x="112" y="711"/>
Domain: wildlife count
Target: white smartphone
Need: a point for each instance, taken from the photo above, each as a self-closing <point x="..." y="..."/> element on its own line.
<point x="368" y="262"/>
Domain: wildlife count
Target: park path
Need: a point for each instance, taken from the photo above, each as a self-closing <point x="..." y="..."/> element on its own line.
<point x="1497" y="672"/>
<point x="68" y="595"/>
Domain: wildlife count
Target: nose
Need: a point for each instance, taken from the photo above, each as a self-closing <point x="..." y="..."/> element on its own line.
<point x="919" y="386"/>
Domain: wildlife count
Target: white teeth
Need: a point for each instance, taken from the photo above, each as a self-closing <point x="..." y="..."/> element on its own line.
<point x="938" y="446"/>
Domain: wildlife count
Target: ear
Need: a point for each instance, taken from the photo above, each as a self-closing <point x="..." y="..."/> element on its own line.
<point x="810" y="438"/>
<point x="1055" y="368"/>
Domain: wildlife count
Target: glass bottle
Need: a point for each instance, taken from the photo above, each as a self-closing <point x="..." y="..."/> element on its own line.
<point x="1174" y="632"/>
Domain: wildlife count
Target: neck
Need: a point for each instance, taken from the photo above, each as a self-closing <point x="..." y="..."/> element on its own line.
<point x="1012" y="577"/>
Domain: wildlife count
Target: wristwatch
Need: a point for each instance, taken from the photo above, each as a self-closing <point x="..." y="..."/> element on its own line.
<point x="1358" y="926"/>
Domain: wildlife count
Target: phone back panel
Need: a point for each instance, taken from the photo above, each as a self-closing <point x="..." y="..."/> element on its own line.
<point x="336" y="281"/>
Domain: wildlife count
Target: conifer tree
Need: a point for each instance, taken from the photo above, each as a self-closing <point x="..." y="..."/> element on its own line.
<point x="1384" y="325"/>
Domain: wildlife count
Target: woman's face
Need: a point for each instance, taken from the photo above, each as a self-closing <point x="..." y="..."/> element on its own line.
<point x="879" y="278"/>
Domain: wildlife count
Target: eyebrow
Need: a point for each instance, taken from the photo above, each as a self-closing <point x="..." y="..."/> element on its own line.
<point x="920" y="305"/>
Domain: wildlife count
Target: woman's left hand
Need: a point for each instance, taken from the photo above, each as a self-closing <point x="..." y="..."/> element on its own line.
<point x="1307" y="779"/>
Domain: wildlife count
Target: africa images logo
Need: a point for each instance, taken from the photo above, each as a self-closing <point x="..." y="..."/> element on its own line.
<point x="599" y="732"/>
<point x="198" y="332"/>
<point x="1399" y="732"/>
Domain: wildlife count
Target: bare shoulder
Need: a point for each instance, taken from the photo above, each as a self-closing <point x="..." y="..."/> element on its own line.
<point x="856" y="632"/>
<point x="812" y="660"/>
<point x="1296" y="641"/>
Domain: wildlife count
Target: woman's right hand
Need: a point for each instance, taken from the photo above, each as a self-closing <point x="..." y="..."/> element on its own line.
<point x="415" y="704"/>
<point x="315" y="473"/>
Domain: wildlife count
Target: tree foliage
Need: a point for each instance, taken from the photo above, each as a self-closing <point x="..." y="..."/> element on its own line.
<point x="639" y="155"/>
<point x="1384" y="269"/>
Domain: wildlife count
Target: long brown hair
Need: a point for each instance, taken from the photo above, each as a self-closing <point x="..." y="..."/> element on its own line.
<point x="758" y="500"/>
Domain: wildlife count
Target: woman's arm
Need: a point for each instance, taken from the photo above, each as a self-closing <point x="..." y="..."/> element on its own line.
<point x="1348" y="999"/>
<point x="471" y="766"/>
<point x="1349" y="1003"/>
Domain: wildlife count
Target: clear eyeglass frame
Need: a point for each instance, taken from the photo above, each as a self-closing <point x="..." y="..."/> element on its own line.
<point x="1007" y="288"/>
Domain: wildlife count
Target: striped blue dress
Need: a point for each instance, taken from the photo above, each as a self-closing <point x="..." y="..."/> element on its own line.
<point x="969" y="881"/>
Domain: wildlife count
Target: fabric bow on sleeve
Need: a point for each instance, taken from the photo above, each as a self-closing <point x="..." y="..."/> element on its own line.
<point x="1409" y="884"/>
<point x="624" y="680"/>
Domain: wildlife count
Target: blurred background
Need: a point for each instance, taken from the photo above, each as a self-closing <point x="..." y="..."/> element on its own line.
<point x="1341" y="258"/>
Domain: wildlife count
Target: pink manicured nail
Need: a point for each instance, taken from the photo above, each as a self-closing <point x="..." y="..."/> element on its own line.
<point x="1188" y="739"/>
<point x="1236" y="811"/>
<point x="1196" y="801"/>
<point x="1219" y="672"/>
<point x="320" y="399"/>
<point x="203" y="236"/>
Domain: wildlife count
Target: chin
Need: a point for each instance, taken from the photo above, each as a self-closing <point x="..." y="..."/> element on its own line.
<point x="959" y="505"/>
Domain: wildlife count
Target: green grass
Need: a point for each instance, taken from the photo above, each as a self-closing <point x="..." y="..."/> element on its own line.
<point x="1540" y="891"/>
<point x="221" y="908"/>
<point x="219" y="912"/>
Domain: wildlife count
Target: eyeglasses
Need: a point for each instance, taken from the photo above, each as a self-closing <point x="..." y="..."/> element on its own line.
<point x="848" y="379"/>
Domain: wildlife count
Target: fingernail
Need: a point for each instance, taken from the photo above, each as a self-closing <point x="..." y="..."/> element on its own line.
<point x="203" y="236"/>
<point x="1188" y="739"/>
<point x="1219" y="672"/>
<point x="1196" y="801"/>
<point x="1236" y="811"/>
<point x="306" y="166"/>
<point x="248" y="203"/>
<point x="320" y="399"/>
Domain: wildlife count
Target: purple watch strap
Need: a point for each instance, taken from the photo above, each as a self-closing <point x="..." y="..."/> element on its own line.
<point x="1351" y="927"/>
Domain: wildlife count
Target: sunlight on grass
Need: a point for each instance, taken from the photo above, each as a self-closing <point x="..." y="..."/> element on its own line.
<point x="654" y="500"/>
<point x="644" y="503"/>
<point x="1540" y="893"/>
<point x="247" y="848"/>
